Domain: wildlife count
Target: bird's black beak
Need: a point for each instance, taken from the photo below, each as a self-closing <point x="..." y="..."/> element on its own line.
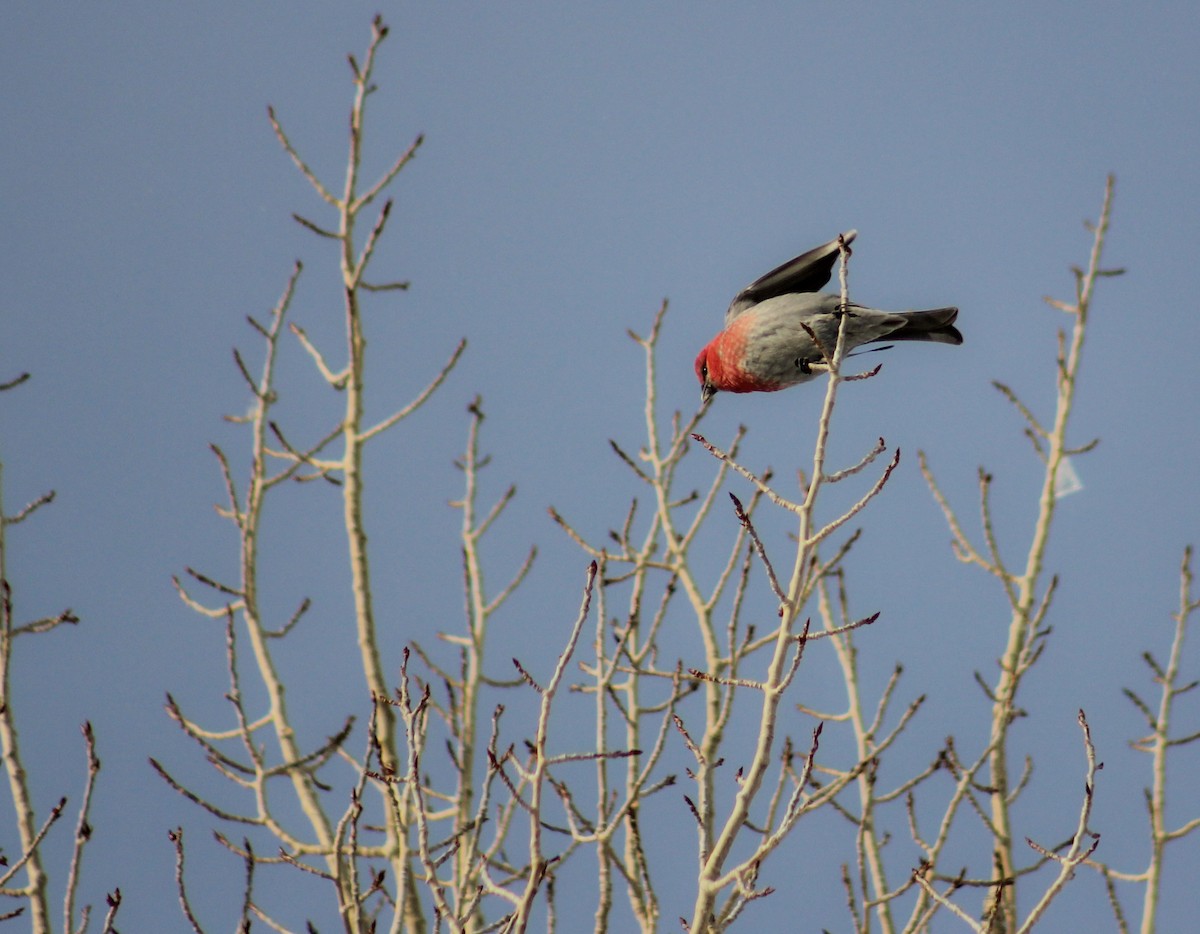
<point x="707" y="391"/>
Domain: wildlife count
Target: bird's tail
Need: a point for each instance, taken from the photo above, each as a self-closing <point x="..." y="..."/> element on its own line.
<point x="936" y="324"/>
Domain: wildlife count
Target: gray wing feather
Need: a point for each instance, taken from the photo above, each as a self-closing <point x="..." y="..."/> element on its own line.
<point x="808" y="272"/>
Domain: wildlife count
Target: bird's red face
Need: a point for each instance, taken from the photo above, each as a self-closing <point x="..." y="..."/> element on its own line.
<point x="702" y="366"/>
<point x="707" y="389"/>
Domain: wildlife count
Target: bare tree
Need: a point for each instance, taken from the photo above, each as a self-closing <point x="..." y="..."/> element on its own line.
<point x="479" y="794"/>
<point x="32" y="829"/>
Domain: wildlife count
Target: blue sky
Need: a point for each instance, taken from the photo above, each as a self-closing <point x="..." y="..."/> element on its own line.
<point x="582" y="162"/>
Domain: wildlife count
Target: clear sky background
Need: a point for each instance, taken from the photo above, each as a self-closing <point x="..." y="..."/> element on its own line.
<point x="582" y="162"/>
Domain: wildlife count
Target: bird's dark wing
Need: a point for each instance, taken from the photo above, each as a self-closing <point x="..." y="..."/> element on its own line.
<point x="808" y="272"/>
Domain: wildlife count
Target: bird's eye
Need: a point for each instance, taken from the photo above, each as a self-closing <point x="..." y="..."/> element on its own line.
<point x="704" y="370"/>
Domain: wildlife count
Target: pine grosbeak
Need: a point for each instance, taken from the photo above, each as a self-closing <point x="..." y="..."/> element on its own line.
<point x="767" y="345"/>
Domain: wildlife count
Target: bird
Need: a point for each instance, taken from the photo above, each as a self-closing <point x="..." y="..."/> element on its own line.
<point x="768" y="342"/>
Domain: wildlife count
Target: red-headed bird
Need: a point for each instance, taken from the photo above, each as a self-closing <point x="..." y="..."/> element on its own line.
<point x="765" y="347"/>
